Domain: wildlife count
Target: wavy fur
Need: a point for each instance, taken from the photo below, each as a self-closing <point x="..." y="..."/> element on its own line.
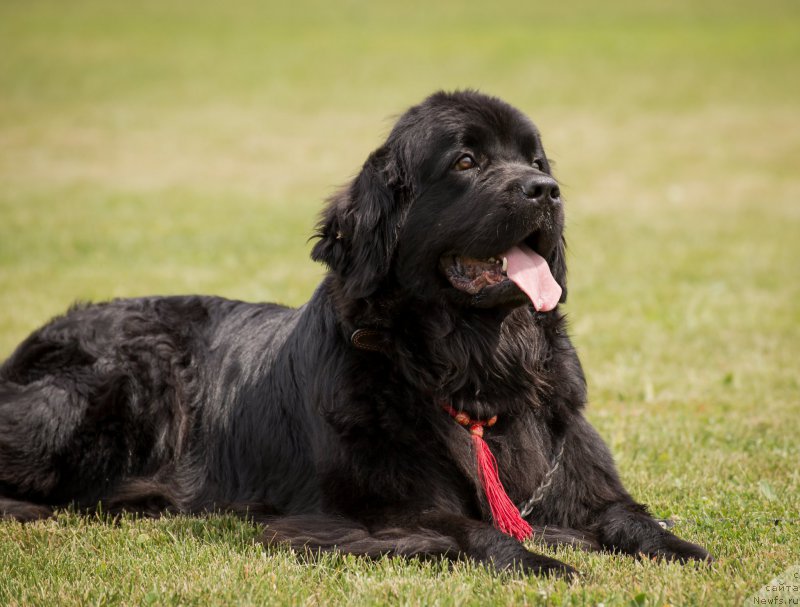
<point x="192" y="404"/>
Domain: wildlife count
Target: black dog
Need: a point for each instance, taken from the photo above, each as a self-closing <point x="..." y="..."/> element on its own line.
<point x="339" y="424"/>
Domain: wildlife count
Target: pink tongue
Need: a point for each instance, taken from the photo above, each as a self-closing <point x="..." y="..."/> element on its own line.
<point x="530" y="272"/>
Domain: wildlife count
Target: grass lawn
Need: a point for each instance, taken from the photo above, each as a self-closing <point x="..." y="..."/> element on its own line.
<point x="182" y="147"/>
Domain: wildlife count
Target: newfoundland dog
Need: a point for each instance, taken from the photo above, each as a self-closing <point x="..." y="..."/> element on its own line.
<point x="425" y="402"/>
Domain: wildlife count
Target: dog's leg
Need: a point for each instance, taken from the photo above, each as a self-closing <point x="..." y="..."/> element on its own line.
<point x="144" y="496"/>
<point x="483" y="543"/>
<point x="627" y="527"/>
<point x="589" y="496"/>
<point x="432" y="536"/>
<point x="32" y="430"/>
<point x="23" y="511"/>
<point x="80" y="416"/>
<point x="329" y="533"/>
<point x="555" y="537"/>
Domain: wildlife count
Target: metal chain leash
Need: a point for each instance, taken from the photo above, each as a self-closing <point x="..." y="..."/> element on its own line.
<point x="527" y="507"/>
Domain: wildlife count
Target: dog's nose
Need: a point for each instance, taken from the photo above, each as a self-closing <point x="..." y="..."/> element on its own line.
<point x="541" y="188"/>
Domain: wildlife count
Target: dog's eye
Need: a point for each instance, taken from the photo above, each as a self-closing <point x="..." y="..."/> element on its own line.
<point x="537" y="164"/>
<point x="465" y="163"/>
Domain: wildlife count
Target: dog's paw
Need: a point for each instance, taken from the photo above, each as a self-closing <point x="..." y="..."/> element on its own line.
<point x="537" y="564"/>
<point x="680" y="551"/>
<point x="23" y="512"/>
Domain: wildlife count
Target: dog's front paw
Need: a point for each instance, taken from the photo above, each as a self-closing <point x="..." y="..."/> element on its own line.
<point x="675" y="549"/>
<point x="537" y="564"/>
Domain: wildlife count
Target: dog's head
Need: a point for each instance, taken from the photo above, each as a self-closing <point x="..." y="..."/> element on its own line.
<point x="458" y="204"/>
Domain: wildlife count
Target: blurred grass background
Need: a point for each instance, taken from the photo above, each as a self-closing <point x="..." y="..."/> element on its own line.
<point x="175" y="147"/>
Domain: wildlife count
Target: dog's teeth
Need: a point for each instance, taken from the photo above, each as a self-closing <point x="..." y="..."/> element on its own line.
<point x="505" y="264"/>
<point x="492" y="260"/>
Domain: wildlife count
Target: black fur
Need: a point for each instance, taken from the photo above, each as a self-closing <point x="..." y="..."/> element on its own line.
<point x="191" y="404"/>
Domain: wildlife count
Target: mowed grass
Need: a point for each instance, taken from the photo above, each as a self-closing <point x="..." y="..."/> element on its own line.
<point x="169" y="147"/>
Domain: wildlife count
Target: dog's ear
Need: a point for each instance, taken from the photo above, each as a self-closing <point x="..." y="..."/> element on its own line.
<point x="358" y="230"/>
<point x="558" y="267"/>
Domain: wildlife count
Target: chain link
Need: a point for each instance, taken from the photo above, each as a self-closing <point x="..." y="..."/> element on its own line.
<point x="527" y="507"/>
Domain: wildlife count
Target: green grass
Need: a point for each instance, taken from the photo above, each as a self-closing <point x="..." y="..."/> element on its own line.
<point x="187" y="147"/>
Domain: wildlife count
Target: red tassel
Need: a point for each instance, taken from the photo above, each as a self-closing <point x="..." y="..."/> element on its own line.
<point x="505" y="514"/>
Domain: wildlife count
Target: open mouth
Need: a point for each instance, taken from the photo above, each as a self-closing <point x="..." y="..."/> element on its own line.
<point x="473" y="275"/>
<point x="520" y="264"/>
